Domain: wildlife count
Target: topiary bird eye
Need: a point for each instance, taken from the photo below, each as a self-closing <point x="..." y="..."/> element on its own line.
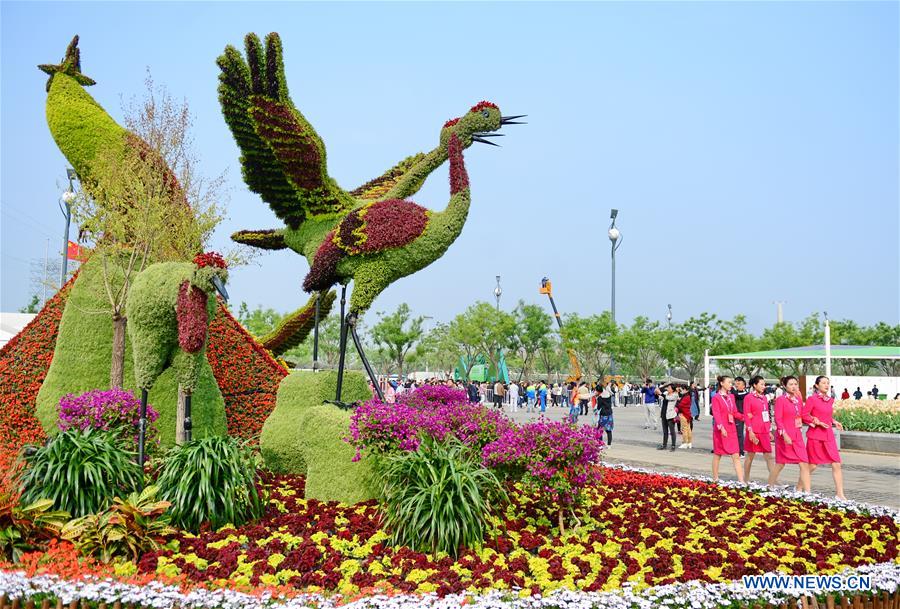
<point x="485" y="113"/>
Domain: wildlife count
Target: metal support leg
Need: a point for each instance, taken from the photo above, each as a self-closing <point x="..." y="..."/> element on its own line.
<point x="188" y="426"/>
<point x="142" y="433"/>
<point x="316" y="335"/>
<point x="351" y="323"/>
<point x="343" y="345"/>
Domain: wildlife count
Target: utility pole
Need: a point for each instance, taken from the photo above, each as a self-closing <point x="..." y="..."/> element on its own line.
<point x="46" y="267"/>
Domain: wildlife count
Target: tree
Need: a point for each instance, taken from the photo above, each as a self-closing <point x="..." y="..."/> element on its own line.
<point x="785" y="335"/>
<point x="481" y="329"/>
<point x="552" y="357"/>
<point x="259" y="321"/>
<point x="437" y="349"/>
<point x="396" y="334"/>
<point x="32" y="307"/>
<point x="144" y="202"/>
<point x="592" y="339"/>
<point x="638" y="347"/>
<point x="685" y="345"/>
<point x="532" y="332"/>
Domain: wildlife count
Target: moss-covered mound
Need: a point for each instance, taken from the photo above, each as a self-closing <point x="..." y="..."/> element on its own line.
<point x="81" y="362"/>
<point x="303" y="435"/>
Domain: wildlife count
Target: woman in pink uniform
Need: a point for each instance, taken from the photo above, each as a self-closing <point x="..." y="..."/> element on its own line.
<point x="758" y="426"/>
<point x="789" y="446"/>
<point x="821" y="446"/>
<point x="725" y="438"/>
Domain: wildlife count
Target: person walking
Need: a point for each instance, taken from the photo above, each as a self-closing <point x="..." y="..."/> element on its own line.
<point x="648" y="391"/>
<point x="605" y="412"/>
<point x="875" y="393"/>
<point x="584" y="398"/>
<point x="758" y="425"/>
<point x="557" y="394"/>
<point x="789" y="445"/>
<point x="531" y="396"/>
<point x="821" y="447"/>
<point x="857" y="395"/>
<point x="740" y="392"/>
<point x="668" y="414"/>
<point x="514" y="396"/>
<point x="845" y="395"/>
<point x="725" y="440"/>
<point x="499" y="394"/>
<point x="685" y="404"/>
<point x="542" y="394"/>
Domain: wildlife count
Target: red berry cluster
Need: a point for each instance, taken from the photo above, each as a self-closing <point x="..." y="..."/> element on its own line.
<point x="210" y="259"/>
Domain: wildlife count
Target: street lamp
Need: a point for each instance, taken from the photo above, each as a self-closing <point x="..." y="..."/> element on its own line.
<point x="669" y="317"/>
<point x="615" y="239"/>
<point x="498" y="291"/>
<point x="67" y="198"/>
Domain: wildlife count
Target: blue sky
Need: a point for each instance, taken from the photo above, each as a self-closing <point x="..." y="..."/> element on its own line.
<point x="751" y="148"/>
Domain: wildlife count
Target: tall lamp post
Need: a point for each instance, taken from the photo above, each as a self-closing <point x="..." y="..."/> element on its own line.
<point x="67" y="198"/>
<point x="498" y="291"/>
<point x="615" y="238"/>
<point x="669" y="327"/>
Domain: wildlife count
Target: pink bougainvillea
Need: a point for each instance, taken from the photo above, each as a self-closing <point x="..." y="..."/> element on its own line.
<point x="190" y="309"/>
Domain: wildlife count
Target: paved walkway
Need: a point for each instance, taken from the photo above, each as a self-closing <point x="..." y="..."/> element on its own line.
<point x="868" y="477"/>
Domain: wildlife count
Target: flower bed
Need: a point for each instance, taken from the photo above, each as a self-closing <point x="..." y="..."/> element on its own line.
<point x="638" y="528"/>
<point x="882" y="416"/>
<point x="644" y="538"/>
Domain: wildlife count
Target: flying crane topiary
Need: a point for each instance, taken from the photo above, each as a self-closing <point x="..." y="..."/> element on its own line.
<point x="373" y="235"/>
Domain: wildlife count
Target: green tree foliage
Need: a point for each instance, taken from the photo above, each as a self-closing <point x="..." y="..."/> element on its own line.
<point x="685" y="344"/>
<point x="396" y="334"/>
<point x="33" y="306"/>
<point x="532" y="333"/>
<point x="482" y="330"/>
<point x="593" y="339"/>
<point x="639" y="347"/>
<point x="259" y="321"/>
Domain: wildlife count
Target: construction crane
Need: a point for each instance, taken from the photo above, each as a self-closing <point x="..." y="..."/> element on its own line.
<point x="547" y="288"/>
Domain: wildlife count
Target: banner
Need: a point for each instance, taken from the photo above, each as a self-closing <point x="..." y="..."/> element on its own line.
<point x="76" y="252"/>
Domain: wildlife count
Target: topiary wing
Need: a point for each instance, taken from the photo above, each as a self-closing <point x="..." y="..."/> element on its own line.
<point x="282" y="156"/>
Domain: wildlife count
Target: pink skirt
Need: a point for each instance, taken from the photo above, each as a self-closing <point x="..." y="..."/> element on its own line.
<point x="822" y="452"/>
<point x="728" y="445"/>
<point x="795" y="453"/>
<point x="764" y="446"/>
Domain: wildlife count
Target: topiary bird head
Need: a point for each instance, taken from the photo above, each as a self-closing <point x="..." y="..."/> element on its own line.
<point x="210" y="273"/>
<point x="70" y="66"/>
<point x="478" y="124"/>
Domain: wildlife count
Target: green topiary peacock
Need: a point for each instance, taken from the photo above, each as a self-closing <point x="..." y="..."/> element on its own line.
<point x="372" y="235"/>
<point x="169" y="309"/>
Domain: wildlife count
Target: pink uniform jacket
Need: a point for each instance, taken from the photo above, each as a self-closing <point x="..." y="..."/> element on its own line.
<point x="724" y="414"/>
<point x="789" y="412"/>
<point x="756" y="413"/>
<point x="821" y="447"/>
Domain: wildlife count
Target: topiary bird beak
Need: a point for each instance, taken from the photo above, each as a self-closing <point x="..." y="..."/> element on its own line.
<point x="220" y="287"/>
<point x="511" y="120"/>
<point x="479" y="137"/>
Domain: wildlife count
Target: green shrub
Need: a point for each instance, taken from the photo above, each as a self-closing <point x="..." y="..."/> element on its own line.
<point x="437" y="498"/>
<point x="129" y="528"/>
<point x="303" y="435"/>
<point x="80" y="471"/>
<point x="211" y="479"/>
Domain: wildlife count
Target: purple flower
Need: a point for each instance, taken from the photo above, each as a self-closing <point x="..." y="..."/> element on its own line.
<point x="113" y="410"/>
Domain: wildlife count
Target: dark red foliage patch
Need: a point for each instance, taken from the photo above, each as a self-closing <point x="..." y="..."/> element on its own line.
<point x="190" y="309"/>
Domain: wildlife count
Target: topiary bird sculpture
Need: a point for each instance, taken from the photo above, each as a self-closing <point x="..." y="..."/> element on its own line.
<point x="169" y="308"/>
<point x="373" y="235"/>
